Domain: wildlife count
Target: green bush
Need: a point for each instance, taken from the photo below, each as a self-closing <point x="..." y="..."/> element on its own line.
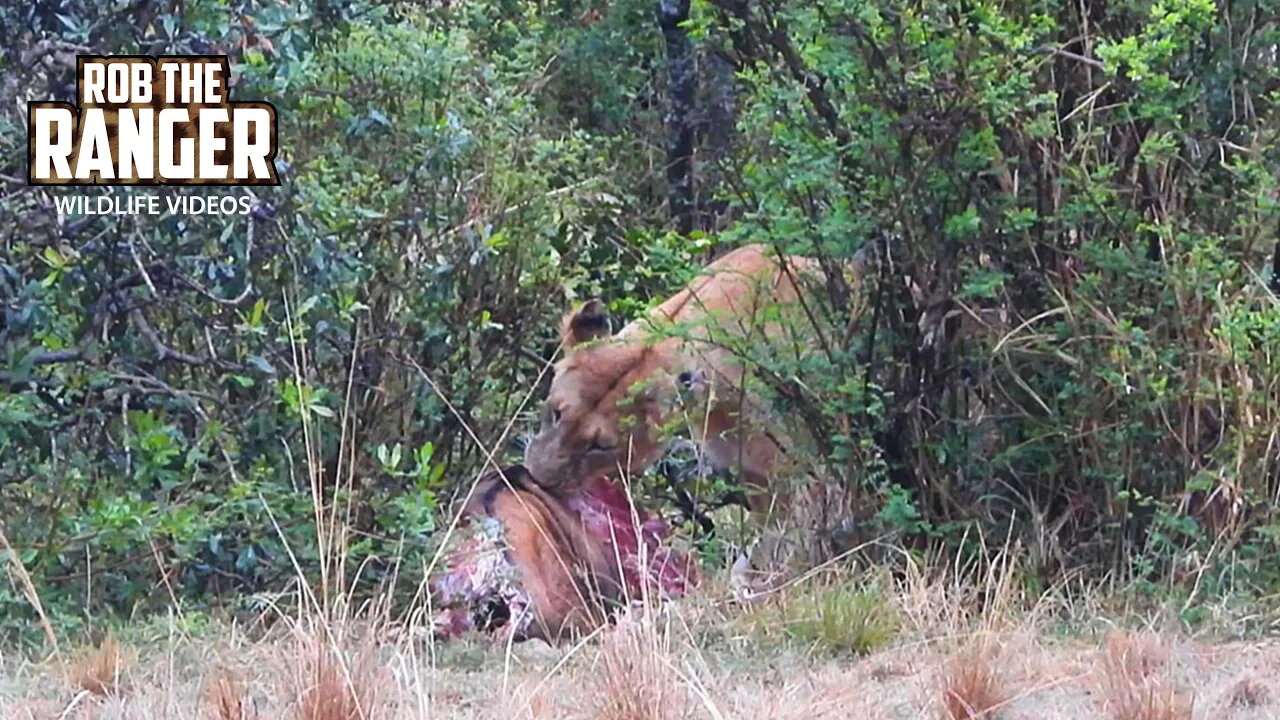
<point x="1068" y="337"/>
<point x="175" y="392"/>
<point x="836" y="617"/>
<point x="841" y="620"/>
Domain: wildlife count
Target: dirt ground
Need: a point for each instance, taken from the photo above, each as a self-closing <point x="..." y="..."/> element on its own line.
<point x="928" y="644"/>
<point x="653" y="669"/>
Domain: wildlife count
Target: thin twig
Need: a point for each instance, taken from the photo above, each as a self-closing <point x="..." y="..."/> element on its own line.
<point x="28" y="589"/>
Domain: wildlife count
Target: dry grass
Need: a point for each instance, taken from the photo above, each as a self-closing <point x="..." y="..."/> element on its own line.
<point x="1134" y="679"/>
<point x="1153" y="702"/>
<point x="1248" y="693"/>
<point x="100" y="670"/>
<point x="635" y="677"/>
<point x="225" y="698"/>
<point x="335" y="678"/>
<point x="21" y="579"/>
<point x="971" y="684"/>
<point x="649" y="668"/>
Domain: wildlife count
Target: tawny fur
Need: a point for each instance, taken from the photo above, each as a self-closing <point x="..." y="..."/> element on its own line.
<point x="569" y="579"/>
<point x="611" y="395"/>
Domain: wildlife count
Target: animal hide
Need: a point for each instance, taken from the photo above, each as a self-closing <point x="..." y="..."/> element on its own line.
<point x="609" y="554"/>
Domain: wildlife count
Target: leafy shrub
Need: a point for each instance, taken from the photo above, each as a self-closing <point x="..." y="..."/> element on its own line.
<point x="176" y="392"/>
<point x="1067" y="338"/>
<point x="1063" y="340"/>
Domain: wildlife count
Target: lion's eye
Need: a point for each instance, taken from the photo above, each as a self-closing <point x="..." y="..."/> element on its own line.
<point x="555" y="416"/>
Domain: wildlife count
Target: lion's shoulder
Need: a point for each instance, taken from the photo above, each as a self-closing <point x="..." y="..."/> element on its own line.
<point x="738" y="282"/>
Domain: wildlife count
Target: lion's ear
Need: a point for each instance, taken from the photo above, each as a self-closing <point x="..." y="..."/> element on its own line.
<point x="587" y="323"/>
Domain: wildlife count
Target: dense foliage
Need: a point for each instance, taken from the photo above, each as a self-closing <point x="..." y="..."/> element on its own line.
<point x="1070" y="336"/>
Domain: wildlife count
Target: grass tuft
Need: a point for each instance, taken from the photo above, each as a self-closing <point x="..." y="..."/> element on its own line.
<point x="224" y="699"/>
<point x="99" y="670"/>
<point x="335" y="680"/>
<point x="1248" y="693"/>
<point x="971" y="685"/>
<point x="1133" y="679"/>
<point x="635" y="677"/>
<point x="840" y="620"/>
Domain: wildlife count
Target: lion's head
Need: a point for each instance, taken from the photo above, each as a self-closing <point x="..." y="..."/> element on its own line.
<point x="605" y="405"/>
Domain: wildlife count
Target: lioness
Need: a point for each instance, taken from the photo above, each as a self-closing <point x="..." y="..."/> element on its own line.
<point x="612" y="394"/>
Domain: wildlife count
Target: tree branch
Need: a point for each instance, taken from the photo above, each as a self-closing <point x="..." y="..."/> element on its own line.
<point x="53" y="357"/>
<point x="1275" y="269"/>
<point x="682" y="89"/>
<point x="164" y="352"/>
